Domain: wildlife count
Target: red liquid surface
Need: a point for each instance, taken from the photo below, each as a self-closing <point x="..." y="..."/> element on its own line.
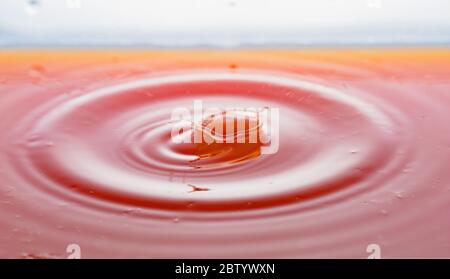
<point x="86" y="155"/>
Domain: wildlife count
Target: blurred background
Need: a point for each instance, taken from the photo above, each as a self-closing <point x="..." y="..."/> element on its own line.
<point x="222" y="23"/>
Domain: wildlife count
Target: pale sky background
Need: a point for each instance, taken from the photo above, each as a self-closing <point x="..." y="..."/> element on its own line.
<point x="225" y="23"/>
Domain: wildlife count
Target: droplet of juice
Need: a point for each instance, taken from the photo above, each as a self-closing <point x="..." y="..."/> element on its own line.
<point x="228" y="138"/>
<point x="32" y="6"/>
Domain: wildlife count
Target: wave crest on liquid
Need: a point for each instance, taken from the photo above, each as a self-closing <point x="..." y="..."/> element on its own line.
<point x="113" y="144"/>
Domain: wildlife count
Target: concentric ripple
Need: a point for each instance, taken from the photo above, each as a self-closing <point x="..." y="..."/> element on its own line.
<point x="87" y="156"/>
<point x="138" y="164"/>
